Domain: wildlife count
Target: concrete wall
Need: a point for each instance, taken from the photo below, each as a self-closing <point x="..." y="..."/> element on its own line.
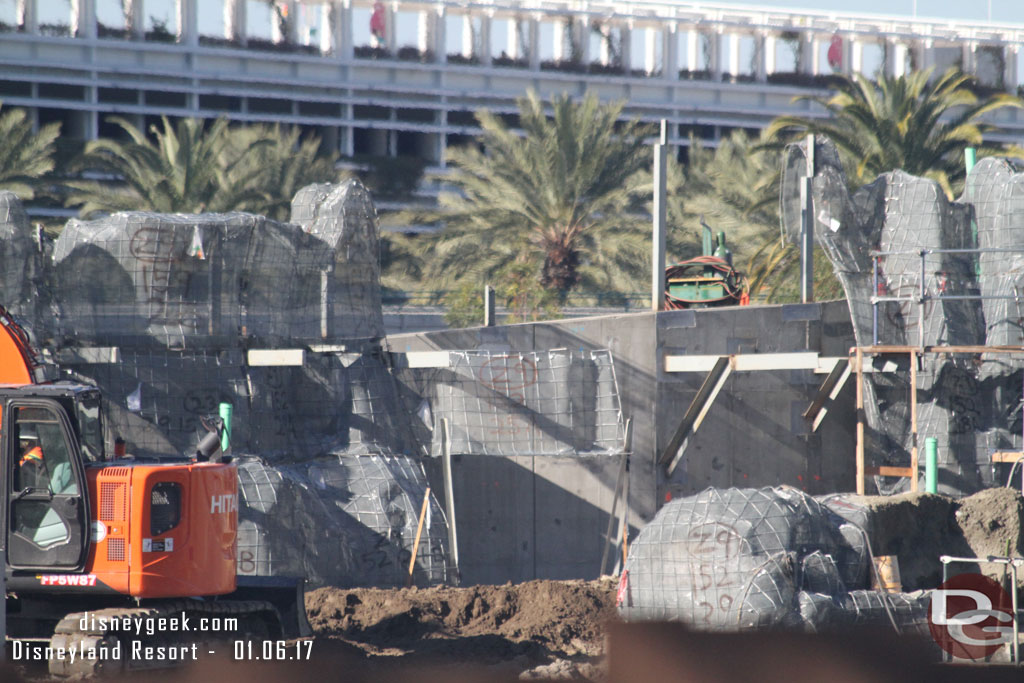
<point x="545" y="516"/>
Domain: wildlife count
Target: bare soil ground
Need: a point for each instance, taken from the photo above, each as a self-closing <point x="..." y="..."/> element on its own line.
<point x="542" y="628"/>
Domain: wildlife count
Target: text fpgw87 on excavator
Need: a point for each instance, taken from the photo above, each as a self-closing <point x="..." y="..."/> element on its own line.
<point x="94" y="544"/>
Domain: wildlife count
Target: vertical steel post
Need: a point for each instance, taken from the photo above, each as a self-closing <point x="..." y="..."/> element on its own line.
<point x="489" y="306"/>
<point x="658" y="236"/>
<point x="923" y="293"/>
<point x="860" y="421"/>
<point x="913" y="422"/>
<point x="874" y="303"/>
<point x="807" y="227"/>
<point x="449" y="494"/>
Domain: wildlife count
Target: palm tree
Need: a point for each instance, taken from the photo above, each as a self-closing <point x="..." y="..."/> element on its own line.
<point x="25" y="157"/>
<point x="557" y="197"/>
<point x="281" y="163"/>
<point x="189" y="168"/>
<point x="912" y="122"/>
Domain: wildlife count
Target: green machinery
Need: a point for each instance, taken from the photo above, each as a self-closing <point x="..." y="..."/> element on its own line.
<point x="706" y="281"/>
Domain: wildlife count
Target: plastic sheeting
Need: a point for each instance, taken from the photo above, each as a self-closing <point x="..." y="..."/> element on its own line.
<point x="738" y="559"/>
<point x="971" y="409"/>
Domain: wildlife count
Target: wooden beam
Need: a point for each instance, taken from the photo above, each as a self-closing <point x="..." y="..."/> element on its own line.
<point x="827" y="392"/>
<point x="1007" y="456"/>
<point x="695" y="413"/>
<point x="903" y="349"/>
<point x="889" y="471"/>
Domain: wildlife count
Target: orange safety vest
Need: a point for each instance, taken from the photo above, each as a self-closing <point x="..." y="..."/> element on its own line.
<point x="34" y="453"/>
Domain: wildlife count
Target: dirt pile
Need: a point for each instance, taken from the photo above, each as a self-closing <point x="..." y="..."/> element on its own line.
<point x="918" y="528"/>
<point x="534" y="624"/>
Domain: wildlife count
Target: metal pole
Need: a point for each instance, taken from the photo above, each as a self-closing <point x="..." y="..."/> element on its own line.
<point x="449" y="493"/>
<point x="874" y="304"/>
<point x="807" y="227"/>
<point x="1016" y="626"/>
<point x="860" y="421"/>
<point x="658" y="237"/>
<point x="488" y="306"/>
<point x="913" y="421"/>
<point x="920" y="315"/>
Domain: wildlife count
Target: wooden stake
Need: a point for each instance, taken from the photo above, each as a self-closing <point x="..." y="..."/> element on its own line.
<point x="913" y="421"/>
<point x="860" y="421"/>
<point x="419" y="531"/>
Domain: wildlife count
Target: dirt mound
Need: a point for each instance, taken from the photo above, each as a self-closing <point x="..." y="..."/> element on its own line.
<point x="918" y="528"/>
<point x="992" y="521"/>
<point x="538" y="622"/>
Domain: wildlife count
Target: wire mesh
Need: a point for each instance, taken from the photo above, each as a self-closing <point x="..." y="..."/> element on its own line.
<point x="161" y="311"/>
<point x="918" y="269"/>
<point x="737" y="559"/>
<point x="558" y="402"/>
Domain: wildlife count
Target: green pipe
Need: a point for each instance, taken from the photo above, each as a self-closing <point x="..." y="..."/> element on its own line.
<point x="970" y="157"/>
<point x="931" y="465"/>
<point x="225" y="414"/>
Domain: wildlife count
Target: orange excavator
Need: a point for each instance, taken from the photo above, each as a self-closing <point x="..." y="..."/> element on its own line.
<point x="126" y="564"/>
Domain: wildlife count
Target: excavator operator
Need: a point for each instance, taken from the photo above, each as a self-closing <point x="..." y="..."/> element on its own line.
<point x="32" y="467"/>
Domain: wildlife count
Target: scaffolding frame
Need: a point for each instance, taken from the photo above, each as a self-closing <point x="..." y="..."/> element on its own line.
<point x="916" y="353"/>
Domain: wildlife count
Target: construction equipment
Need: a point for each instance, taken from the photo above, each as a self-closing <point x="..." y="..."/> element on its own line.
<point x="705" y="281"/>
<point x="97" y="545"/>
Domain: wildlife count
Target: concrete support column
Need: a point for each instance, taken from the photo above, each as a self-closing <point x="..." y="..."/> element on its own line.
<point x="426" y="26"/>
<point x="559" y="53"/>
<point x="234" y="20"/>
<point x="390" y="32"/>
<point x="650" y="50"/>
<point x="83" y="18"/>
<point x="442" y="139"/>
<point x="468" y="37"/>
<point x="806" y="65"/>
<point x="328" y="18"/>
<point x="343" y="41"/>
<point x="968" y="57"/>
<point x="896" y="54"/>
<point x="734" y="54"/>
<point x="927" y="54"/>
<point x="188" y="22"/>
<point x="626" y="48"/>
<point x="856" y="56"/>
<point x="485" y="46"/>
<point x="513" y="36"/>
<point x="134" y="19"/>
<point x="765" y="61"/>
<point x="605" y="56"/>
<point x="581" y="34"/>
<point x="670" y="53"/>
<point x="816" y="66"/>
<point x="441" y="35"/>
<point x="27" y="12"/>
<point x="534" y="46"/>
<point x="715" y="65"/>
<point x="693" y="38"/>
<point x="847" y="66"/>
<point x="1010" y="53"/>
<point x="485" y="39"/>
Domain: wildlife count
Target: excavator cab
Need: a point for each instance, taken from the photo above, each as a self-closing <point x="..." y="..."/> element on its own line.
<point x="49" y="432"/>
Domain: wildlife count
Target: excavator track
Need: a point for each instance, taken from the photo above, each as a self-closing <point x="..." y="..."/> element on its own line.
<point x="90" y="644"/>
